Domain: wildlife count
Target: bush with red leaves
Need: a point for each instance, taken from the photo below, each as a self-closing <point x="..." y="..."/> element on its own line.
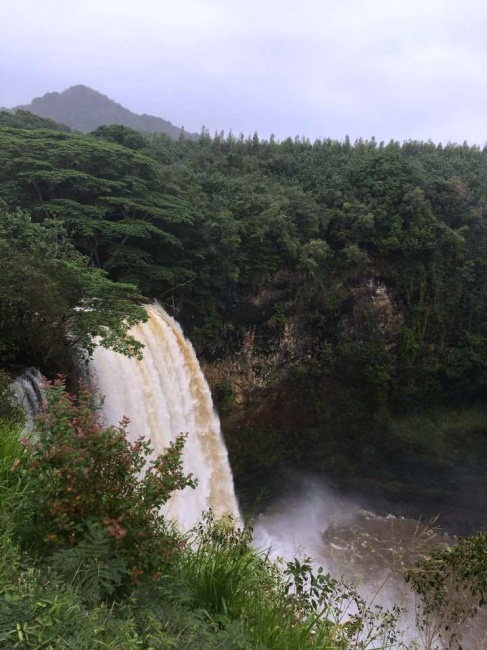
<point x="82" y="473"/>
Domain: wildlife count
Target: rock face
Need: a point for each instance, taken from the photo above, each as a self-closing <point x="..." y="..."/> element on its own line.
<point x="287" y="339"/>
<point x="375" y="298"/>
<point x="309" y="387"/>
<point x="272" y="340"/>
<point x="263" y="359"/>
<point x="304" y="381"/>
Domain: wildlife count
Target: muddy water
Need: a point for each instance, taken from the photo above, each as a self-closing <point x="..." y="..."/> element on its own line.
<point x="365" y="549"/>
<point x="163" y="395"/>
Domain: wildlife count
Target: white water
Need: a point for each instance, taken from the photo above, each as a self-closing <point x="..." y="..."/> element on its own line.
<point x="164" y="395"/>
<point x="368" y="551"/>
<point x="27" y="388"/>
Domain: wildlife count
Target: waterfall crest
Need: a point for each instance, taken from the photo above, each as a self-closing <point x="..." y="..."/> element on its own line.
<point x="164" y="395"/>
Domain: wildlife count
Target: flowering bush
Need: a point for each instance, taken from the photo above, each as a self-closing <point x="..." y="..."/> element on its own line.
<point x="84" y="474"/>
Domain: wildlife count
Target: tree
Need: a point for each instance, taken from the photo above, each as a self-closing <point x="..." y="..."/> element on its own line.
<point x="52" y="300"/>
<point x="108" y="197"/>
<point x="122" y="135"/>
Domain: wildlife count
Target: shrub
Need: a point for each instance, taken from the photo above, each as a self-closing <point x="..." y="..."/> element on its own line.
<point x="224" y="392"/>
<point x="451" y="584"/>
<point x="84" y="475"/>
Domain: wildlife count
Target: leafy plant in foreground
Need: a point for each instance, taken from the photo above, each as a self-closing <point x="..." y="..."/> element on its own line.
<point x="84" y="475"/>
<point x="451" y="584"/>
<point x="290" y="607"/>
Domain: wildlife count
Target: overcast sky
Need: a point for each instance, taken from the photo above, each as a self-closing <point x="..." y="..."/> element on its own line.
<point x="402" y="69"/>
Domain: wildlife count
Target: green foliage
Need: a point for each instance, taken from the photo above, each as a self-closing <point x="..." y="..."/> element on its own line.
<point x="38" y="609"/>
<point x="234" y="232"/>
<point x="11" y="486"/>
<point x="52" y="300"/>
<point x="221" y="569"/>
<point x="22" y="119"/>
<point x="449" y="435"/>
<point x="118" y="577"/>
<point x="122" y="135"/>
<point x="452" y="585"/>
<point x="12" y="423"/>
<point x="223" y="393"/>
<point x="10" y="411"/>
<point x="286" y="607"/>
<point x="81" y="474"/>
<point x="92" y="565"/>
<point x="107" y="197"/>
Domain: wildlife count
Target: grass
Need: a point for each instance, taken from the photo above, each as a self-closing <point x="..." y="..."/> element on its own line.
<point x="11" y="448"/>
<point x="283" y="607"/>
<point x="218" y="592"/>
<point x="444" y="433"/>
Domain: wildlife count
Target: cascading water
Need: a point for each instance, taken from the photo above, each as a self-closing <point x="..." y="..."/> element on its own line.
<point x="164" y="395"/>
<point x="27" y="388"/>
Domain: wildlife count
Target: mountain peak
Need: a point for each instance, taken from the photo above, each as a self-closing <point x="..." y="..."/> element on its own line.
<point x="84" y="109"/>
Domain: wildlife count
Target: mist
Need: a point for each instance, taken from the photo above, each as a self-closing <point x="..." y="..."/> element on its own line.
<point x="402" y="70"/>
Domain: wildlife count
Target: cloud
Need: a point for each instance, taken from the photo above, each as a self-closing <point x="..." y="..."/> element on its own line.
<point x="394" y="69"/>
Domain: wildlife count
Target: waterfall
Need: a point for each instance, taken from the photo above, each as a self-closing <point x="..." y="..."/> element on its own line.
<point x="28" y="391"/>
<point x="166" y="394"/>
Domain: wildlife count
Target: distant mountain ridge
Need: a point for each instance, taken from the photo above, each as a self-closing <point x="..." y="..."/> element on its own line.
<point x="84" y="109"/>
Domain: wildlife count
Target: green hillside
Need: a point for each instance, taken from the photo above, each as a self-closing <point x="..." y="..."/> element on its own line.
<point x="84" y="109"/>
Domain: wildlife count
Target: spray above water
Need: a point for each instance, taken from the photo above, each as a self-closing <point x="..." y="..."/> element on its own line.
<point x="294" y="525"/>
<point x="166" y="394"/>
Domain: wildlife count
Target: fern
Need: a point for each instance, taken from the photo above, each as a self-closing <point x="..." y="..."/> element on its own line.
<point x="91" y="566"/>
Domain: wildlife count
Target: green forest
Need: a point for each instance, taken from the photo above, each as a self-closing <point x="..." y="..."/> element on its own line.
<point x="372" y="254"/>
<point x="359" y="272"/>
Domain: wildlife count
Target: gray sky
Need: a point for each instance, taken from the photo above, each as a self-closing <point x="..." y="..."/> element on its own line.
<point x="391" y="68"/>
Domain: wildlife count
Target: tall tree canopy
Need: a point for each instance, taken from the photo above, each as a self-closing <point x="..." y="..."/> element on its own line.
<point x="375" y="252"/>
<point x="52" y="299"/>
